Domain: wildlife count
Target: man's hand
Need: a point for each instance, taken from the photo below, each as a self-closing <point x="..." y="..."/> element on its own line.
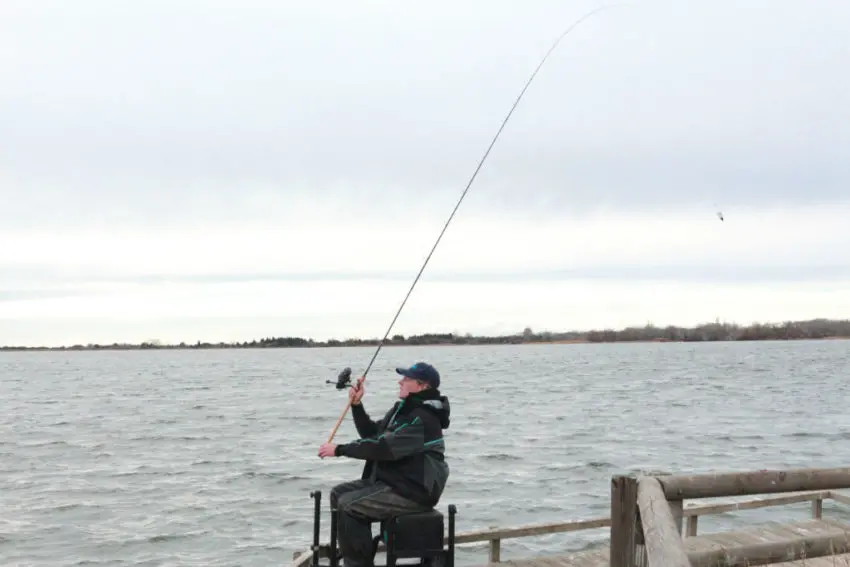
<point x="355" y="393"/>
<point x="327" y="450"/>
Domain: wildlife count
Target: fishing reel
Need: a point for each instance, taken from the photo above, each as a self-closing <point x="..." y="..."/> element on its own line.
<point x="343" y="381"/>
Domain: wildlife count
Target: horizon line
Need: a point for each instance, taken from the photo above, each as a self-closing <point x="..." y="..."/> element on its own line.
<point x="840" y="328"/>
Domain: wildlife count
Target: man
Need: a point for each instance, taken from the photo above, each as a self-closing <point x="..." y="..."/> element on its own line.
<point x="405" y="469"/>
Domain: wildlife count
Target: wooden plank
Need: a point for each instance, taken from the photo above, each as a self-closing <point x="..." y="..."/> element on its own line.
<point x="302" y="559"/>
<point x="842" y="560"/>
<point x="588" y="558"/>
<point x="595" y="558"/>
<point x="711" y="485"/>
<point x="553" y="561"/>
<point x="532" y="530"/>
<point x="772" y="551"/>
<point x="739" y="538"/>
<point x="835" y="523"/>
<point x="762" y="539"/>
<point x="548" y="561"/>
<point x="701" y="543"/>
<point x="830" y="561"/>
<point x="813" y="527"/>
<point x="770" y="531"/>
<point x="663" y="541"/>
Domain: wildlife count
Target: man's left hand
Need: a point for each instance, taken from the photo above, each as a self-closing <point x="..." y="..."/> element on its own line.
<point x="327" y="450"/>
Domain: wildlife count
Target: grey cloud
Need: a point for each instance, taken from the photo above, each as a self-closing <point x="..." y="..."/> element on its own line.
<point x="151" y="111"/>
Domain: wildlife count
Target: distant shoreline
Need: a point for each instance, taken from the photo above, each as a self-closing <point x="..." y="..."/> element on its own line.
<point x="813" y="329"/>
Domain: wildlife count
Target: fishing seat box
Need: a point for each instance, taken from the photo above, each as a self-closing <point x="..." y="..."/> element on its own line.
<point x="414" y="535"/>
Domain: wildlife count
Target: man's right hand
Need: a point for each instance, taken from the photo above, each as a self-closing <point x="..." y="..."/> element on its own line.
<point x="356" y="392"/>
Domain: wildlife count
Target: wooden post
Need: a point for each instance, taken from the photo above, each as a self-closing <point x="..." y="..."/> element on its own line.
<point x="753" y="482"/>
<point x="664" y="546"/>
<point x="817" y="508"/>
<point x="692" y="525"/>
<point x="623" y="521"/>
<point x="495" y="550"/>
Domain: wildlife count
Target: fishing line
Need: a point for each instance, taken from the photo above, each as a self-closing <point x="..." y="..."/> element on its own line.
<point x="466" y="190"/>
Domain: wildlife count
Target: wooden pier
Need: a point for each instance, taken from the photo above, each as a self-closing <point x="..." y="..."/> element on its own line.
<point x="651" y="525"/>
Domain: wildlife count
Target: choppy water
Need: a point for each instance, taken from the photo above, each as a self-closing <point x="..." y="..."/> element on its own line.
<point x="207" y="458"/>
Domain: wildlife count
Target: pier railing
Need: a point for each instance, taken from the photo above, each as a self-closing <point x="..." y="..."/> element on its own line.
<point x="629" y="526"/>
<point x="647" y="515"/>
<point x="690" y="514"/>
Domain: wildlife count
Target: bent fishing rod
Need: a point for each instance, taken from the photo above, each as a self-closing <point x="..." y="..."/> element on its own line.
<point x="344" y="379"/>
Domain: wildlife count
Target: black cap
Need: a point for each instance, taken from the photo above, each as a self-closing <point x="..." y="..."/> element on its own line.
<point x="423" y="372"/>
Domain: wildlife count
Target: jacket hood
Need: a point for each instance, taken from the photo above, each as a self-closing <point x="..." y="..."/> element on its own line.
<point x="432" y="400"/>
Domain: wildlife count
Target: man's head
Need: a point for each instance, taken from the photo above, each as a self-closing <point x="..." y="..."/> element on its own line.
<point x="418" y="377"/>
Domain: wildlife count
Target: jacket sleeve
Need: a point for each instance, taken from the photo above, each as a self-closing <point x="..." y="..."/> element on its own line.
<point x="407" y="440"/>
<point x="364" y="424"/>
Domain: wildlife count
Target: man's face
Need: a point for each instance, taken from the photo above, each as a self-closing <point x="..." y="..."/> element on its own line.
<point x="407" y="386"/>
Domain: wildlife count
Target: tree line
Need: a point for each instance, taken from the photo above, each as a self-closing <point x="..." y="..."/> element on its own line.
<point x="708" y="332"/>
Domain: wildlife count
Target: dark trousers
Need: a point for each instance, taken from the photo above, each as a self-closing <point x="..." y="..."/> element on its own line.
<point x="358" y="504"/>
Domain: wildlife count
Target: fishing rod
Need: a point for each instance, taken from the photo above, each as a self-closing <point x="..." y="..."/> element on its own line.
<point x="344" y="378"/>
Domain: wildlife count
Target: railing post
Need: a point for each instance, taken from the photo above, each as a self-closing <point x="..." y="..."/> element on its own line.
<point x="692" y="525"/>
<point x="817" y="508"/>
<point x="495" y="554"/>
<point x="623" y="521"/>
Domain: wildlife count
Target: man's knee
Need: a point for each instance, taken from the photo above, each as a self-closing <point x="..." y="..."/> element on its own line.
<point x="345" y="499"/>
<point x="340" y="490"/>
<point x="370" y="502"/>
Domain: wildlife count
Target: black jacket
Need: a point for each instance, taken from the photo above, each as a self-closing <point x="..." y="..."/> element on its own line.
<point x="405" y="450"/>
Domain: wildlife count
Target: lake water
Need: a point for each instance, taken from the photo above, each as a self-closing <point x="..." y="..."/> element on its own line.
<point x="207" y="458"/>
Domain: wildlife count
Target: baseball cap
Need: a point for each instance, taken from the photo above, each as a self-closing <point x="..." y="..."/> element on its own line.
<point x="423" y="372"/>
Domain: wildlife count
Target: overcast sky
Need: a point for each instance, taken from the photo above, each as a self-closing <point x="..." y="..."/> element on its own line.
<point x="232" y="170"/>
